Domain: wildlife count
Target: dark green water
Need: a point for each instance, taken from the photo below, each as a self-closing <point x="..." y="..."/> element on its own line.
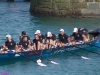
<point x="15" y="17"/>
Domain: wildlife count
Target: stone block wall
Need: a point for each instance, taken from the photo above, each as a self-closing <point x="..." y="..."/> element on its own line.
<point x="66" y="8"/>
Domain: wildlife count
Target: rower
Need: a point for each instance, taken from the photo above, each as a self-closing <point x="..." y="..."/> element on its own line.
<point x="10" y="45"/>
<point x="24" y="44"/>
<point x="77" y="36"/>
<point x="37" y="43"/>
<point x="50" y="40"/>
<point x="41" y="37"/>
<point x="23" y="34"/>
<point x="63" y="38"/>
<point x="84" y="33"/>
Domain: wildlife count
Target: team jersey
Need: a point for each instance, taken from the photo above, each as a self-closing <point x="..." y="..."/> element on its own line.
<point x="77" y="37"/>
<point x="11" y="45"/>
<point x="63" y="38"/>
<point x="52" y="38"/>
<point x="28" y="38"/>
<point x="41" y="38"/>
<point x="24" y="44"/>
<point x="36" y="42"/>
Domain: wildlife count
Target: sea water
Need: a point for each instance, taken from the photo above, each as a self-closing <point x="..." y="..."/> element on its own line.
<point x="15" y="18"/>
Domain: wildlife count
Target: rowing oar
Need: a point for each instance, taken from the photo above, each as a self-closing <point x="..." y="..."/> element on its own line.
<point x="38" y="61"/>
<point x="53" y="62"/>
<point x="89" y="51"/>
<point x="78" y="55"/>
<point x="94" y="46"/>
<point x="93" y="51"/>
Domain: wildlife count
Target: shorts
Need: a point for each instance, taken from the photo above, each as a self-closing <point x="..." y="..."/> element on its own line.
<point x="26" y="49"/>
<point x="81" y="42"/>
<point x="77" y="40"/>
<point x="11" y="51"/>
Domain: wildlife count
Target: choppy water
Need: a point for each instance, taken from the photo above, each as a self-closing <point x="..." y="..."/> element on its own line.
<point x="15" y="17"/>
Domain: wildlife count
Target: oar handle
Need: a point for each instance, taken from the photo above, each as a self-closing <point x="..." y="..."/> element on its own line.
<point x="89" y="51"/>
<point x="72" y="53"/>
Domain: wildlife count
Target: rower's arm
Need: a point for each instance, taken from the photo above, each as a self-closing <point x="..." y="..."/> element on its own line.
<point x="34" y="46"/>
<point x="5" y="47"/>
<point x="54" y="42"/>
<point x="29" y="41"/>
<point x="88" y="37"/>
<point x="39" y="46"/>
<point x="84" y="38"/>
<point x="43" y="41"/>
<point x="69" y="40"/>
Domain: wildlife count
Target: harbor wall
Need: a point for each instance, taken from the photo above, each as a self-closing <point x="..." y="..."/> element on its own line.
<point x="66" y="8"/>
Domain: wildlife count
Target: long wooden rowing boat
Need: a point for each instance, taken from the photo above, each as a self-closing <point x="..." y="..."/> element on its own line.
<point x="53" y="51"/>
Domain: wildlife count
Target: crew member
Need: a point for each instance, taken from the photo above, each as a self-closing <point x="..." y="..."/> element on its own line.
<point x="50" y="40"/>
<point x="64" y="38"/>
<point x="84" y="33"/>
<point x="10" y="45"/>
<point x="77" y="36"/>
<point x="37" y="43"/>
<point x="24" y="44"/>
<point x="23" y="34"/>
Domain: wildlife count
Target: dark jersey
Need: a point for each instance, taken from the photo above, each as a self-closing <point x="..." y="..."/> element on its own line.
<point x="28" y="38"/>
<point x="24" y="44"/>
<point x="77" y="36"/>
<point x="41" y="38"/>
<point x="52" y="38"/>
<point x="11" y="45"/>
<point x="63" y="38"/>
<point x="36" y="42"/>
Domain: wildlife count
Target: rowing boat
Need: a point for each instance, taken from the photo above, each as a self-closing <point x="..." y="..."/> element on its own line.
<point x="52" y="51"/>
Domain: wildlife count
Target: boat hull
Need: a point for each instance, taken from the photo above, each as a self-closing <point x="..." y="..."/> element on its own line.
<point x="49" y="52"/>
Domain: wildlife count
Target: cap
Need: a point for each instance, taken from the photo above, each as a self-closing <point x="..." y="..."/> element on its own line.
<point x="48" y="34"/>
<point x="8" y="35"/>
<point x="37" y="32"/>
<point x="62" y="30"/>
<point x="75" y="30"/>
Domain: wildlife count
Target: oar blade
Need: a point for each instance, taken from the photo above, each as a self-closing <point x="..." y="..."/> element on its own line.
<point x="54" y="62"/>
<point x="85" y="57"/>
<point x="39" y="63"/>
